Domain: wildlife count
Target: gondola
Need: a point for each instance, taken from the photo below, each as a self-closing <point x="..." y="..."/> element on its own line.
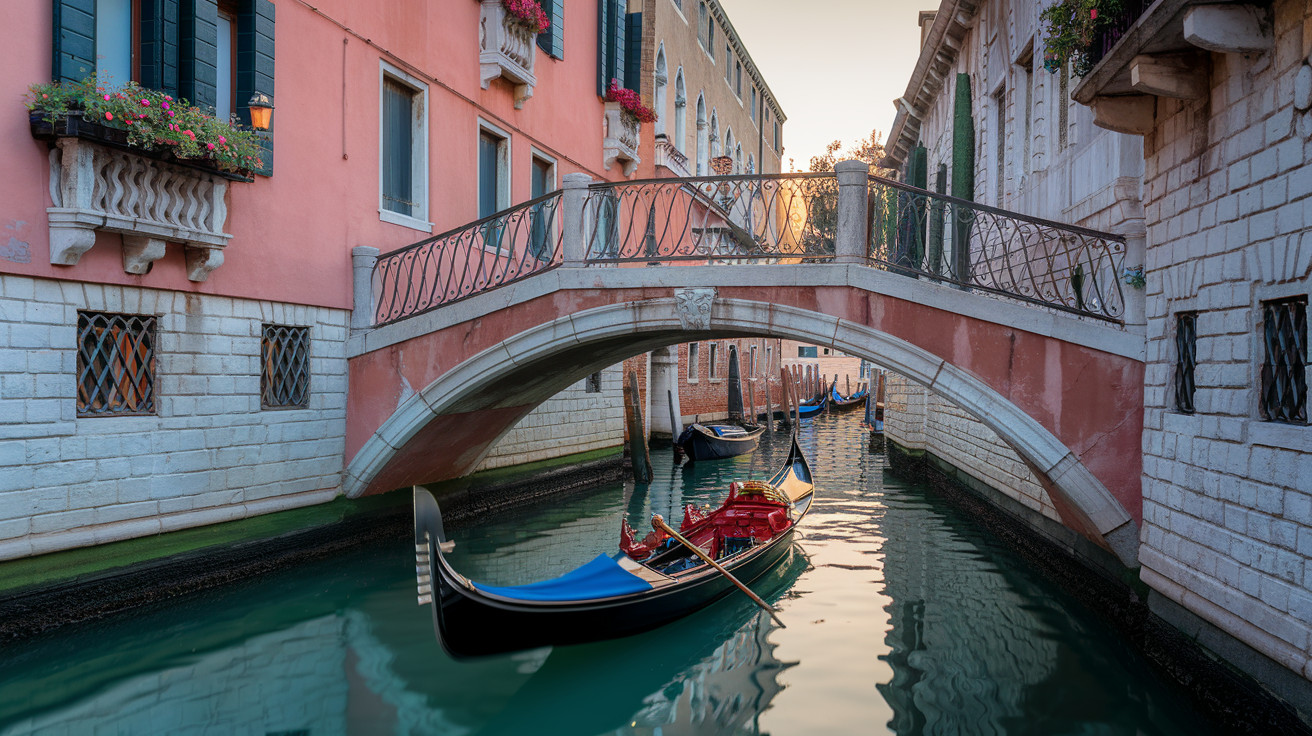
<point x="812" y="407"/>
<point x="715" y="441"/>
<point x="608" y="598"/>
<point x="840" y="403"/>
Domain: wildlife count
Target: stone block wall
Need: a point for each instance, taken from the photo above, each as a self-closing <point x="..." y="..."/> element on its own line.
<point x="919" y="420"/>
<point x="574" y="420"/>
<point x="208" y="454"/>
<point x="1227" y="495"/>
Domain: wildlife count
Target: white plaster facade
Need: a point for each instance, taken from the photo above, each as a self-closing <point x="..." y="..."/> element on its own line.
<point x="208" y="454"/>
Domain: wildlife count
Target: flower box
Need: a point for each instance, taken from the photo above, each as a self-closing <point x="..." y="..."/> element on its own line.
<point x="74" y="125"/>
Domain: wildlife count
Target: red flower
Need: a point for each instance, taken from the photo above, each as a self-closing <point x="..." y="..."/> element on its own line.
<point x="1093" y="14"/>
<point x="109" y="116"/>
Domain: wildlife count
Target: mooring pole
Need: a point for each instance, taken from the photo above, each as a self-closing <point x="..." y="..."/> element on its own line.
<point x="637" y="439"/>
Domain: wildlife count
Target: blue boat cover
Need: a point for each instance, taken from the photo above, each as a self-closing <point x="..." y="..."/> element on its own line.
<point x="601" y="578"/>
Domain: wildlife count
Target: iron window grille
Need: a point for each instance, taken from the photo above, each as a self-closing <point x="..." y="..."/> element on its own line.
<point x="1186" y="359"/>
<point x="285" y="367"/>
<point x="115" y="364"/>
<point x="1284" y="364"/>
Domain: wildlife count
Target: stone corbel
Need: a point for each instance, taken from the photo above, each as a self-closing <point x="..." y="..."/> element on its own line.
<point x="202" y="260"/>
<point x="1181" y="76"/>
<point x="1229" y="29"/>
<point x="1133" y="114"/>
<point x="71" y="235"/>
<point x="140" y="251"/>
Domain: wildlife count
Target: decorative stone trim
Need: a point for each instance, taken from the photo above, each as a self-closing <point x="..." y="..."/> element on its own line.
<point x="622" y="138"/>
<point x="506" y="49"/>
<point x="149" y="202"/>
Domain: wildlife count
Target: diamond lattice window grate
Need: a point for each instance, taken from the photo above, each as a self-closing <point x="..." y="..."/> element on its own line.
<point x="1284" y="365"/>
<point x="115" y="364"/>
<point x="1186" y="354"/>
<point x="285" y="366"/>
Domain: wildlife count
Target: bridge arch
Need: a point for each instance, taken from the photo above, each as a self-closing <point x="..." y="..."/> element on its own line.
<point x="504" y="381"/>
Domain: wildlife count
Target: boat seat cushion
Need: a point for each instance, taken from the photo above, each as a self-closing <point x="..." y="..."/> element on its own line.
<point x="601" y="578"/>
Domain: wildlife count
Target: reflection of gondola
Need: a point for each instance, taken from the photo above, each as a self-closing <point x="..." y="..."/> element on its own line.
<point x="723" y="648"/>
<point x="841" y="403"/>
<point x="715" y="441"/>
<point x="606" y="598"/>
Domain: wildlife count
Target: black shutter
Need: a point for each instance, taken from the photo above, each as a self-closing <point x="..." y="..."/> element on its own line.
<point x="198" y="36"/>
<point x="633" y="52"/>
<point x="159" y="45"/>
<point x="74" y="57"/>
<point x="618" y="32"/>
<point x="605" y="11"/>
<point x="255" y="66"/>
<point x="553" y="40"/>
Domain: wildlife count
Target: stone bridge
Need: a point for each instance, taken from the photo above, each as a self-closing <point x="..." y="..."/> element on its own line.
<point x="469" y="331"/>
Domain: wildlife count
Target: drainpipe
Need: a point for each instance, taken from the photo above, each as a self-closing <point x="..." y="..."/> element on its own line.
<point x="363" y="260"/>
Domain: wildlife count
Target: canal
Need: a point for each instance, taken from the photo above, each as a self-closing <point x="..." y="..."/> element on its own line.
<point x="902" y="617"/>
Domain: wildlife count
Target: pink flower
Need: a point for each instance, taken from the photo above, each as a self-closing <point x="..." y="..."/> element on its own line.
<point x="170" y="113"/>
<point x="222" y="139"/>
<point x="165" y="105"/>
<point x="1093" y="14"/>
<point x="145" y="102"/>
<point x="209" y="146"/>
<point x="109" y="116"/>
<point x="107" y="97"/>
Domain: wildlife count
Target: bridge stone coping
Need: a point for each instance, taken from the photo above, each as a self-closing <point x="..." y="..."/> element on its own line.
<point x="1087" y="505"/>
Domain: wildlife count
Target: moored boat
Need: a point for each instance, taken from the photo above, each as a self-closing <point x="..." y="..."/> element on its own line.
<point x="715" y="441"/>
<point x="843" y="403"/>
<point x="607" y="597"/>
<point x="812" y="407"/>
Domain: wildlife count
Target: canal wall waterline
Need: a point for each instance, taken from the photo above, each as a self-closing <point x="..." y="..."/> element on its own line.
<point x="1231" y="682"/>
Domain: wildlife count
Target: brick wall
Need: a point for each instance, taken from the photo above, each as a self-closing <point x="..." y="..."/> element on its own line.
<point x="1228" y="496"/>
<point x="208" y="454"/>
<point x="704" y="397"/>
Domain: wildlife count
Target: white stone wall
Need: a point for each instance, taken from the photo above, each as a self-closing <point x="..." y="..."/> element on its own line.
<point x="570" y="422"/>
<point x="919" y="420"/>
<point x="209" y="454"/>
<point x="1227" y="496"/>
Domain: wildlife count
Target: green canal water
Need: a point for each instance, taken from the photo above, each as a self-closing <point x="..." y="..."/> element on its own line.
<point x="902" y="617"/>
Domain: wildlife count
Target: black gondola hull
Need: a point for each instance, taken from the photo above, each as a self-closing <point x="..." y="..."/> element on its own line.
<point x="698" y="445"/>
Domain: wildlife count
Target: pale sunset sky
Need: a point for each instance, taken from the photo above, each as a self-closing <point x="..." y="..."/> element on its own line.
<point x="834" y="65"/>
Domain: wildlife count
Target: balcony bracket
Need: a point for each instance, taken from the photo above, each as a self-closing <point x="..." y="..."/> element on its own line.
<point x="1180" y="76"/>
<point x="1229" y="29"/>
<point x="1132" y="114"/>
<point x="140" y="251"/>
<point x="201" y="260"/>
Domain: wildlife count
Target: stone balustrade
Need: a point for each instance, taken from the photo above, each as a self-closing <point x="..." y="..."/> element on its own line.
<point x="670" y="157"/>
<point x="622" y="137"/>
<point x="507" y="49"/>
<point x="150" y="203"/>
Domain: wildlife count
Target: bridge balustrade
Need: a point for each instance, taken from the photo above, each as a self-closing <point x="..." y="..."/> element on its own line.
<point x="762" y="219"/>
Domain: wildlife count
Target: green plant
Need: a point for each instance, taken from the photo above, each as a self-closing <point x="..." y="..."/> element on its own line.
<point x="1073" y="27"/>
<point x="153" y="120"/>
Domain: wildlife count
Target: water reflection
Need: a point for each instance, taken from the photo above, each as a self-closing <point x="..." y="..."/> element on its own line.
<point x="902" y="617"/>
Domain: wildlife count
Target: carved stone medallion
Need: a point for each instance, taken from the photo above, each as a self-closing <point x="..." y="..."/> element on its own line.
<point x="694" y="308"/>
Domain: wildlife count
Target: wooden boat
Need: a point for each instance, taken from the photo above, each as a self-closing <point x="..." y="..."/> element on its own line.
<point x="812" y="407"/>
<point x="715" y="441"/>
<point x="838" y="402"/>
<point x="608" y="598"/>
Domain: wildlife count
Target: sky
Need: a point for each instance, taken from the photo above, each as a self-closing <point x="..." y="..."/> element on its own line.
<point x="835" y="66"/>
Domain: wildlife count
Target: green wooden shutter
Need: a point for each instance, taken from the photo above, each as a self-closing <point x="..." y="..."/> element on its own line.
<point x="553" y="40"/>
<point x="963" y="176"/>
<point x="159" y="45"/>
<point x="604" y="12"/>
<point x="618" y="31"/>
<point x="255" y="66"/>
<point x="74" y="57"/>
<point x="199" y="56"/>
<point x="633" y="52"/>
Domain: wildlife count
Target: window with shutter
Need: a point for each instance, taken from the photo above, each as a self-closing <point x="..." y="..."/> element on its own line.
<point x="403" y="149"/>
<point x="552" y="40"/>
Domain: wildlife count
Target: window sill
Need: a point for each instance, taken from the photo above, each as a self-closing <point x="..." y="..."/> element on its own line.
<point x="692" y="381"/>
<point x="715" y="380"/>
<point x="397" y="218"/>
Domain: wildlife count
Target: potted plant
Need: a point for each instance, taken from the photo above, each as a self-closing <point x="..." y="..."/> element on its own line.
<point x="528" y="12"/>
<point x="630" y="104"/>
<point x="1074" y="27"/>
<point x="143" y="120"/>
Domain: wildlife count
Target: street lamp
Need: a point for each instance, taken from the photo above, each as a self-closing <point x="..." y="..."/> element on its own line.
<point x="261" y="106"/>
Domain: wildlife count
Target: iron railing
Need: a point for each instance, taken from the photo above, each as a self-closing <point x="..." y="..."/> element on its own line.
<point x="499" y="249"/>
<point x="1110" y="33"/>
<point x="761" y="217"/>
<point x="943" y="238"/>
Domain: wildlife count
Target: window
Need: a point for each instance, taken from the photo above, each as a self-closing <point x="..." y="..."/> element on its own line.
<point x="1186" y="353"/>
<point x="661" y="80"/>
<point x="680" y="113"/>
<point x="703" y="22"/>
<point x="592" y="385"/>
<point x="1000" y="105"/>
<point x="493" y="170"/>
<point x="753" y="108"/>
<point x="116" y="50"/>
<point x="713" y="361"/>
<point x="226" y="71"/>
<point x="1284" y="362"/>
<point x="769" y="361"/>
<point x="778" y="137"/>
<point x="694" y="350"/>
<point x="612" y="52"/>
<point x="703" y="139"/>
<point x="542" y="230"/>
<point x="1063" y="107"/>
<point x="403" y="150"/>
<point x="752" y="367"/>
<point x="806" y="351"/>
<point x="738" y="79"/>
<point x="115" y="364"/>
<point x="285" y="367"/>
<point x="552" y="40"/>
<point x="728" y="68"/>
<point x="710" y="37"/>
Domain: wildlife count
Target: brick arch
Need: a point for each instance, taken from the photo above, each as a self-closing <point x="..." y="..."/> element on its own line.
<point x="443" y="429"/>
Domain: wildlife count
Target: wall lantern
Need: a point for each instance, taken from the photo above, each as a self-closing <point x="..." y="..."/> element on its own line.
<point x="261" y="106"/>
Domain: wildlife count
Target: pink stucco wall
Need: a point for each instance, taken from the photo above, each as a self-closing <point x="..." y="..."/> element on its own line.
<point x="293" y="232"/>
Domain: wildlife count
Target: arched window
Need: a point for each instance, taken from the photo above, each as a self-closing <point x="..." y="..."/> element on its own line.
<point x="703" y="138"/>
<point x="662" y="79"/>
<point x="751" y="163"/>
<point x="715" y="134"/>
<point x="738" y="159"/>
<point x="680" y="113"/>
<point x="728" y="150"/>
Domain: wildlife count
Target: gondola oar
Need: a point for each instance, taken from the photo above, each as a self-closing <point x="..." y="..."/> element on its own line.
<point x="659" y="522"/>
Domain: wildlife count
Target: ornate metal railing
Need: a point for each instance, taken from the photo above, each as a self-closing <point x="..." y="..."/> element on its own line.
<point x="943" y="238"/>
<point x="1109" y="34"/>
<point x="496" y="250"/>
<point x="763" y="218"/>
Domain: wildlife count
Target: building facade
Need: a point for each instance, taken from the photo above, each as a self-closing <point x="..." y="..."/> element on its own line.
<point x="1189" y="136"/>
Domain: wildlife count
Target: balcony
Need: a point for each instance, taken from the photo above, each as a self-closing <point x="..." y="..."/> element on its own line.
<point x="1158" y="49"/>
<point x="507" y="48"/>
<point x="670" y="157"/>
<point x="620" y="144"/>
<point x="96" y="185"/>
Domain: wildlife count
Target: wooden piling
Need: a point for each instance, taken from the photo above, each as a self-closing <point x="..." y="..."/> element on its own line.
<point x="637" y="438"/>
<point x="751" y="402"/>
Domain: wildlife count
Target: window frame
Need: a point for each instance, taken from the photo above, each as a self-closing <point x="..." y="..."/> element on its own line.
<point x="418" y="150"/>
<point x="1264" y="361"/>
<point x="712" y="363"/>
<point x="305" y="335"/>
<point x="1183" y="376"/>
<point x="693" y="374"/>
<point x="149" y="343"/>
